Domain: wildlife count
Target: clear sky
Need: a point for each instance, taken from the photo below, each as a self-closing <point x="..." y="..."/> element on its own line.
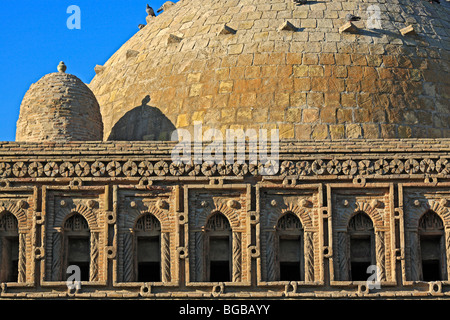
<point x="34" y="38"/>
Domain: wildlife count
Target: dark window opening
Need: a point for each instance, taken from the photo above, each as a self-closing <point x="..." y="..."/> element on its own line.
<point x="219" y="259"/>
<point x="431" y="270"/>
<point x="9" y="248"/>
<point x="359" y="271"/>
<point x="79" y="255"/>
<point x="431" y="252"/>
<point x="10" y="258"/>
<point x="360" y="252"/>
<point x="14" y="254"/>
<point x="290" y="271"/>
<point x="149" y="259"/>
<point x="362" y="246"/>
<point x="289" y="257"/>
<point x="149" y="272"/>
<point x="219" y="271"/>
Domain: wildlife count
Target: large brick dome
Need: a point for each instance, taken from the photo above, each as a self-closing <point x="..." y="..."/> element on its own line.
<point x="313" y="83"/>
<point x="59" y="107"/>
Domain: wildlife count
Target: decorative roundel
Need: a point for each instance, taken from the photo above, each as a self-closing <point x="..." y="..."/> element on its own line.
<point x="443" y="166"/>
<point x="66" y="169"/>
<point x="240" y="169"/>
<point x="35" y="169"/>
<point x="268" y="168"/>
<point x="349" y="167"/>
<point x="366" y="167"/>
<point x="318" y="166"/>
<point x="208" y="168"/>
<point x="253" y="169"/>
<point x="224" y="169"/>
<point x="192" y="169"/>
<point x="381" y="166"/>
<point x="113" y="168"/>
<point x="287" y="168"/>
<point x="334" y="167"/>
<point x="176" y="168"/>
<point x="427" y="165"/>
<point x="396" y="166"/>
<point x="303" y="168"/>
<point x="412" y="166"/>
<point x="98" y="169"/>
<point x="161" y="168"/>
<point x="145" y="168"/>
<point x="82" y="169"/>
<point x="129" y="168"/>
<point x="51" y="169"/>
<point x="5" y="169"/>
<point x="19" y="169"/>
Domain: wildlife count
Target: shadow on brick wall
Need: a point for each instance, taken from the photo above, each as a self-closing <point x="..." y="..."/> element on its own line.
<point x="142" y="123"/>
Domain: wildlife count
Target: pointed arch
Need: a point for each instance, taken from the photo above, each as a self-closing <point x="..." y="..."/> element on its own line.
<point x="77" y="245"/>
<point x="430" y="221"/>
<point x="303" y="214"/>
<point x="219" y="207"/>
<point x="219" y="245"/>
<point x="8" y="222"/>
<point x="76" y="222"/>
<point x="432" y="247"/>
<point x="361" y="245"/>
<point x="291" y="251"/>
<point x="84" y="211"/>
<point x="129" y="220"/>
<point x="360" y="206"/>
<point x="416" y="212"/>
<point x="18" y="212"/>
<point x="147" y="248"/>
<point x="289" y="221"/>
<point x="11" y="259"/>
<point x="217" y="221"/>
<point x="360" y="221"/>
<point x="147" y="222"/>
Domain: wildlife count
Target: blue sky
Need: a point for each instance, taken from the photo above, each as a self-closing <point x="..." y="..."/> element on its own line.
<point x="34" y="38"/>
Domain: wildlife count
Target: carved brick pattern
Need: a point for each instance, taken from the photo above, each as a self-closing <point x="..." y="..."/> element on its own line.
<point x="344" y="255"/>
<point x="380" y="255"/>
<point x="56" y="256"/>
<point x="414" y="249"/>
<point x="271" y="257"/>
<point x="237" y="252"/>
<point x="22" y="257"/>
<point x="309" y="256"/>
<point x="8" y="223"/>
<point x="165" y="266"/>
<point x="146" y="168"/>
<point x="447" y="250"/>
<point x="93" y="274"/>
<point x="128" y="257"/>
<point x="198" y="262"/>
<point x="430" y="199"/>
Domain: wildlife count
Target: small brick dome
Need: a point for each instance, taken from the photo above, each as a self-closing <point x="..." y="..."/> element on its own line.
<point x="59" y="107"/>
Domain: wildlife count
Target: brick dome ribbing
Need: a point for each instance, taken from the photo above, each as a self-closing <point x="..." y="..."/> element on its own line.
<point x="313" y="84"/>
<point x="59" y="107"/>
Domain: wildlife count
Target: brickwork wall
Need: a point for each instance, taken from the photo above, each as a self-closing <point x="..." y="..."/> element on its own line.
<point x="112" y="184"/>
